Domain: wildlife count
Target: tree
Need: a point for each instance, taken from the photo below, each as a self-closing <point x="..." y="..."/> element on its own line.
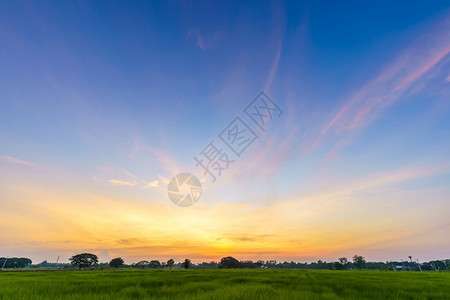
<point x="341" y="264"/>
<point x="271" y="264"/>
<point x="154" y="264"/>
<point x="322" y="265"/>
<point x="343" y="261"/>
<point x="248" y="264"/>
<point x="206" y="265"/>
<point x="259" y="264"/>
<point x="84" y="260"/>
<point x="187" y="263"/>
<point x="359" y="261"/>
<point x="14" y="262"/>
<point x="116" y="262"/>
<point x="142" y="264"/>
<point x="170" y="263"/>
<point x="229" y="263"/>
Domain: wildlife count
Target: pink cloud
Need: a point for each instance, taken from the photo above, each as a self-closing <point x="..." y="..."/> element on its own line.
<point x="14" y="160"/>
<point x="168" y="162"/>
<point x="409" y="68"/>
<point x="430" y="63"/>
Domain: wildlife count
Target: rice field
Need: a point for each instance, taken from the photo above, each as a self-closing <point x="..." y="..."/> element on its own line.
<point x="224" y="284"/>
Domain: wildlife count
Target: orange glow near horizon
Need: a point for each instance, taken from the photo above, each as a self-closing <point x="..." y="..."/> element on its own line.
<point x="70" y="219"/>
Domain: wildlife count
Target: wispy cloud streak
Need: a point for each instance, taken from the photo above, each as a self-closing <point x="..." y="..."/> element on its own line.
<point x="120" y="182"/>
<point x="394" y="83"/>
<point x="11" y="159"/>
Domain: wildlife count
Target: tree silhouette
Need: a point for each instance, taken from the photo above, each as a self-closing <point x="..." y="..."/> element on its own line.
<point x="116" y="262"/>
<point x="341" y="264"/>
<point x="170" y="263"/>
<point x="187" y="263"/>
<point x="359" y="261"/>
<point x="14" y="262"/>
<point x="229" y="263"/>
<point x="154" y="264"/>
<point x="142" y="264"/>
<point x="84" y="260"/>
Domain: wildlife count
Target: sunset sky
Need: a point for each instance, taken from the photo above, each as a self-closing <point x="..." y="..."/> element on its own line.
<point x="103" y="102"/>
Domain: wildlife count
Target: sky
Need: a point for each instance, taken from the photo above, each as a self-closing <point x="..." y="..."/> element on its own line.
<point x="104" y="102"/>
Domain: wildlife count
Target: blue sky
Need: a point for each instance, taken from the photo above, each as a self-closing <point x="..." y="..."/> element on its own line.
<point x="105" y="102"/>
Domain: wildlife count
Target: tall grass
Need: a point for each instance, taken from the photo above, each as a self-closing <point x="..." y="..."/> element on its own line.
<point x="224" y="284"/>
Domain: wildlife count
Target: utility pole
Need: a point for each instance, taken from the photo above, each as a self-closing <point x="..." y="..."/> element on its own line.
<point x="434" y="268"/>
<point x="6" y="259"/>
<point x="417" y="261"/>
<point x="57" y="262"/>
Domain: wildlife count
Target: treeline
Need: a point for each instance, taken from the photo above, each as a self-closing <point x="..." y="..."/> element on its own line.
<point x="14" y="262"/>
<point x="88" y="260"/>
<point x="358" y="262"/>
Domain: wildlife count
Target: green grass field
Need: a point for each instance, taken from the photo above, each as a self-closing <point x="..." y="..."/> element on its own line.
<point x="224" y="284"/>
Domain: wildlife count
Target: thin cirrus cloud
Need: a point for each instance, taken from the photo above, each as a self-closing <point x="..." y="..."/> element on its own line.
<point x="274" y="67"/>
<point x="198" y="38"/>
<point x="422" y="58"/>
<point x="271" y="144"/>
<point x="167" y="162"/>
<point x="121" y="182"/>
<point x="14" y="160"/>
<point x="277" y="39"/>
<point x="203" y="41"/>
<point x="129" y="178"/>
<point x="153" y="184"/>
